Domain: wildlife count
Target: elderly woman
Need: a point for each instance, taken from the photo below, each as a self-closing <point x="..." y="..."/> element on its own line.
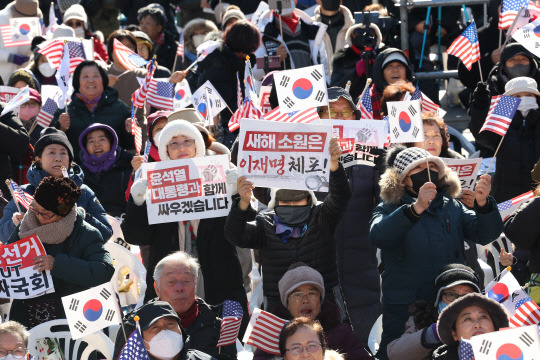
<point x="75" y="256"/>
<point x="221" y="271"/>
<point x="303" y="337"/>
<point x="420" y="226"/>
<point x="472" y="314"/>
<point x="53" y="151"/>
<point x="93" y="100"/>
<point x="106" y="166"/>
<point x="13" y="340"/>
<point x="302" y="295"/>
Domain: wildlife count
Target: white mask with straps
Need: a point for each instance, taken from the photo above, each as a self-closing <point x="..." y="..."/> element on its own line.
<point x="527" y="103"/>
<point x="166" y="344"/>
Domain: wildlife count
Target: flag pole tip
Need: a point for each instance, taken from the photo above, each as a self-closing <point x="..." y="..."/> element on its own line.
<point x="136" y="318"/>
<point x="509" y="268"/>
<point x="369" y="81"/>
<point x="247" y="57"/>
<point x="8" y="182"/>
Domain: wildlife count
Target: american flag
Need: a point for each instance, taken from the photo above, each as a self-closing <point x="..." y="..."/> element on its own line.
<point x="134" y="348"/>
<point x="527" y="313"/>
<point x="76" y="54"/>
<point x="7" y="37"/>
<point x="52" y="22"/>
<point x="180" y="48"/>
<point x="276" y="115"/>
<point x="47" y="113"/>
<point x="20" y="196"/>
<point x="304" y="116"/>
<point x="500" y="114"/>
<point x="465" y="350"/>
<point x="140" y="94"/>
<point x="265" y="332"/>
<point x="127" y="57"/>
<point x="239" y="99"/>
<point x="466" y="46"/>
<point x="160" y="95"/>
<point x="54" y="51"/>
<point x="509" y="10"/>
<point x="147" y="147"/>
<point x="427" y="104"/>
<point x="246" y="111"/>
<point x="508" y="207"/>
<point x="365" y="105"/>
<point x="230" y="323"/>
<point x="136" y="130"/>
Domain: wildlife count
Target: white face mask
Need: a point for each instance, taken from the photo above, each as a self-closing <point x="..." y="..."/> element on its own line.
<point x="46" y="69"/>
<point x="79" y="32"/>
<point x="166" y="345"/>
<point x="527" y="103"/>
<point x="197" y="40"/>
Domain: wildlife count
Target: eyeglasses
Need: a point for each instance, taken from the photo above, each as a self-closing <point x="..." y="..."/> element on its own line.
<point x="18" y="353"/>
<point x="74" y="24"/>
<point x="175" y="145"/>
<point x="46" y="216"/>
<point x="334" y="113"/>
<point x="298" y="350"/>
<point x="298" y="296"/>
<point x="436" y="137"/>
<point x="451" y="296"/>
<point x="31" y="104"/>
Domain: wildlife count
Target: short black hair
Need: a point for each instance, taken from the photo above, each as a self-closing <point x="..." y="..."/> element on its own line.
<point x="155" y="11"/>
<point x="242" y="37"/>
<point x="77" y="74"/>
<point x="120" y="35"/>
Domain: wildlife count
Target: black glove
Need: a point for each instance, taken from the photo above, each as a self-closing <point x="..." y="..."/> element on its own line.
<point x="380" y="159"/>
<point x="481" y="96"/>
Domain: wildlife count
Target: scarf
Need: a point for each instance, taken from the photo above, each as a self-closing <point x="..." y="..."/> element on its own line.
<point x="90" y="104"/>
<point x="188" y="318"/>
<point x="286" y="231"/>
<point x="291" y="22"/>
<point x="53" y="233"/>
<point x="98" y="164"/>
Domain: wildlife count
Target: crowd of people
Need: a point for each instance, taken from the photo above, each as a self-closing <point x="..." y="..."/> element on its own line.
<point x="396" y="238"/>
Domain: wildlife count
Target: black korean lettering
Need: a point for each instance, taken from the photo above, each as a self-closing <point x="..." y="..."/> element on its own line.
<point x="39" y="281"/>
<point x="175" y="208"/>
<point x="74" y="304"/>
<point x="297" y="164"/>
<point x="198" y="206"/>
<point x="187" y="207"/>
<point x="320" y="96"/>
<point x="314" y="165"/>
<point x="284" y="81"/>
<point x="4" y="288"/>
<point x="316" y="75"/>
<point x="163" y="209"/>
<point x="105" y="293"/>
<point x="222" y="203"/>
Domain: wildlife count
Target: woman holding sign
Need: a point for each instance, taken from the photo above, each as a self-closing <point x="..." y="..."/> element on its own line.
<point x="75" y="256"/>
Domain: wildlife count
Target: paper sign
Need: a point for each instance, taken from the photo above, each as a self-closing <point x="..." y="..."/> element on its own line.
<point x="264" y="96"/>
<point x="7" y="93"/>
<point x="467" y="170"/>
<point x="285" y="155"/>
<point x="18" y="279"/>
<point x="187" y="189"/>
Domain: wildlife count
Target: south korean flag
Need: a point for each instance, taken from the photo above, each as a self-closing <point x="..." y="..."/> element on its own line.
<point x="518" y="343"/>
<point x="405" y="121"/>
<point x="91" y="310"/>
<point x="301" y="89"/>
<point x="529" y="37"/>
<point x="207" y="101"/>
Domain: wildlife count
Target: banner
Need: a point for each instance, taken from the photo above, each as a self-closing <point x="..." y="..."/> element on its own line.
<point x="405" y="121"/>
<point x="466" y="169"/>
<point x="18" y="279"/>
<point x="7" y="93"/>
<point x="357" y="138"/>
<point x="187" y="189"/>
<point x="519" y="343"/>
<point x="301" y="88"/>
<point x="285" y="155"/>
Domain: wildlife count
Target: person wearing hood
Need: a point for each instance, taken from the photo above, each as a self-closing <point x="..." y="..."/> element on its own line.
<point x="302" y="295"/>
<point x="420" y="338"/>
<point x="75" y="255"/>
<point x="75" y="17"/>
<point x="470" y="315"/>
<point x="106" y="166"/>
<point x="194" y="33"/>
<point x="145" y="49"/>
<point x="355" y="61"/>
<point x="520" y="148"/>
<point x="40" y="65"/>
<point x="391" y="65"/>
<point x="24" y="77"/>
<point x="53" y="151"/>
<point x="338" y="20"/>
<point x="420" y="226"/>
<point x="28" y="113"/>
<point x="15" y="57"/>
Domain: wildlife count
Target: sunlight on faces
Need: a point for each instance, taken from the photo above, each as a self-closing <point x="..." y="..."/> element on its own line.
<point x="150" y="27"/>
<point x="455" y="292"/>
<point x="53" y="157"/>
<point x="471" y="321"/>
<point x="518" y="59"/>
<point x="177" y="286"/>
<point x="20" y="84"/>
<point x="340" y="110"/>
<point x="161" y="123"/>
<point x="97" y="143"/>
<point x="43" y="215"/>
<point x="90" y="82"/>
<point x="10" y="342"/>
<point x="165" y="323"/>
<point x="523" y="94"/>
<point x="303" y="337"/>
<point x="394" y="72"/>
<point x="433" y="140"/>
<point x="307" y="305"/>
<point x="181" y="147"/>
<point x="143" y="51"/>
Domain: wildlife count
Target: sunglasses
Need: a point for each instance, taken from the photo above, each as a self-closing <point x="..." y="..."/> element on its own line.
<point x="74" y="24"/>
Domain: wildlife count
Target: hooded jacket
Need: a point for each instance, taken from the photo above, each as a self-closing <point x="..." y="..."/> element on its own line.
<point x="95" y="214"/>
<point x="413" y="252"/>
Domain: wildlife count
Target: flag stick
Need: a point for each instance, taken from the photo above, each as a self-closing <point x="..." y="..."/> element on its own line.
<point x="494" y="155"/>
<point x="8" y="183"/>
<point x="174" y="65"/>
<point x="193" y="63"/>
<point x="480" y="70"/>
<point x="427" y="163"/>
<point x="281" y="33"/>
<point x="500" y="37"/>
<point x="32" y="127"/>
<point x="508" y="34"/>
<point x="122" y="313"/>
<point x="348" y="86"/>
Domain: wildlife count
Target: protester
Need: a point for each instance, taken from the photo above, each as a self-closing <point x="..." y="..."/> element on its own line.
<point x="76" y="18"/>
<point x="421" y="337"/>
<point x="42" y="69"/>
<point x="13" y="340"/>
<point x="472" y="314"/>
<point x="75" y="256"/>
<point x="24" y="77"/>
<point x="194" y="33"/>
<point x="341" y="106"/>
<point x="406" y="226"/>
<point x="295" y="229"/>
<point x="338" y="19"/>
<point x="175" y="281"/>
<point x="53" y="151"/>
<point x="304" y="337"/>
<point x="152" y="21"/>
<point x="302" y="295"/>
<point x="395" y="92"/>
<point x="436" y="138"/>
<point x="106" y="166"/>
<point x="28" y="113"/>
<point x="93" y="99"/>
<point x="231" y="16"/>
<point x="145" y="49"/>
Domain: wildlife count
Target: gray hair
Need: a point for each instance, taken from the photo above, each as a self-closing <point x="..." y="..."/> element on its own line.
<point x="178" y="257"/>
<point x="13" y="327"/>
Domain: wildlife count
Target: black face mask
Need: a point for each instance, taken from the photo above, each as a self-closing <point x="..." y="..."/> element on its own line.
<point x="293" y="215"/>
<point x="422" y="177"/>
<point x="518" y="70"/>
<point x="331" y="5"/>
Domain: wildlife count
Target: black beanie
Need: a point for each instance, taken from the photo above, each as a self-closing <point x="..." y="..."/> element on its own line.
<point x="50" y="136"/>
<point x="57" y="194"/>
<point x="455" y="274"/>
<point x="513" y="49"/>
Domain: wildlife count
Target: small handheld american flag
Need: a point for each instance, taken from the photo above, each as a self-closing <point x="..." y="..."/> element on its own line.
<point x="465" y="350"/>
<point x="230" y="323"/>
<point x="364" y="103"/>
<point x="134" y="348"/>
<point x="180" y="48"/>
<point x="527" y="312"/>
<point x="136" y="130"/>
<point x="276" y="115"/>
<point x="161" y="94"/>
<point x="19" y="195"/>
<point x="466" y="46"/>
<point x="265" y="331"/>
<point x="509" y="206"/>
<point x="500" y="114"/>
<point x="427" y="104"/>
<point x="46" y="113"/>
<point x="139" y="96"/>
<point x="127" y="57"/>
<point x="509" y="11"/>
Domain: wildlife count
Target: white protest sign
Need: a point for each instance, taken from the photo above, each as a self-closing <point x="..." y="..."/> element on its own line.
<point x="200" y="103"/>
<point x="519" y="343"/>
<point x="264" y="96"/>
<point x="182" y="95"/>
<point x="356" y="138"/>
<point x="405" y="120"/>
<point x="466" y="169"/>
<point x="301" y="88"/>
<point x="18" y="279"/>
<point x="187" y="189"/>
<point x="7" y="93"/>
<point x="285" y="155"/>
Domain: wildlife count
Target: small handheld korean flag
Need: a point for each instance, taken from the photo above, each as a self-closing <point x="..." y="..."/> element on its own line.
<point x="529" y="37"/>
<point x="301" y="89"/>
<point x="518" y="343"/>
<point x="17" y="101"/>
<point x="91" y="310"/>
<point x="216" y="101"/>
<point x="182" y="95"/>
<point x="405" y="121"/>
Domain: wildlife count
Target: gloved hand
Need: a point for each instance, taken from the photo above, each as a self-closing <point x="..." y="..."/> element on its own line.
<point x="138" y="191"/>
<point x="361" y="68"/>
<point x="232" y="177"/>
<point x="380" y="159"/>
<point x="481" y="96"/>
<point x="18" y="59"/>
<point x="430" y="337"/>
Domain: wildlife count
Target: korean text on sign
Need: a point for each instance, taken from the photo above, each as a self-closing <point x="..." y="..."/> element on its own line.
<point x="466" y="169"/>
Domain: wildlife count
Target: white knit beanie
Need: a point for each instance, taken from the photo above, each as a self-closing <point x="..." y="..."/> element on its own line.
<point x="180" y="127"/>
<point x="76" y="12"/>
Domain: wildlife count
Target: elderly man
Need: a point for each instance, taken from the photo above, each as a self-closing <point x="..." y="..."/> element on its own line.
<point x="175" y="281"/>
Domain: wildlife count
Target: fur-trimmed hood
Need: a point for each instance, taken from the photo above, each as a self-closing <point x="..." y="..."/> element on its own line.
<point x="378" y="35"/>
